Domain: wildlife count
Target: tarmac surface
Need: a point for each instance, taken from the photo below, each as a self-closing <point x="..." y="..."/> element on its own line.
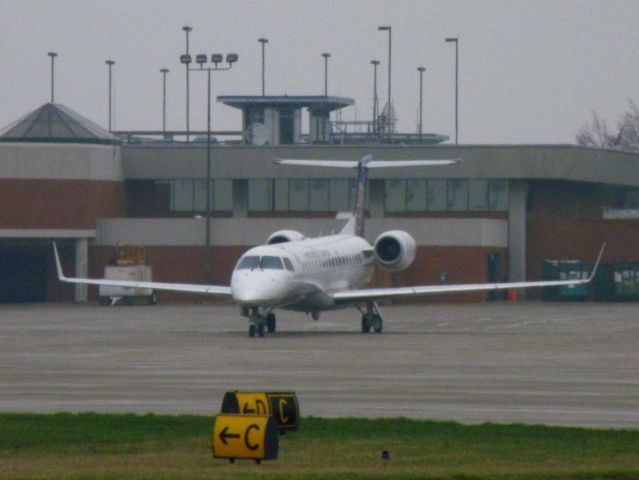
<point x="524" y="362"/>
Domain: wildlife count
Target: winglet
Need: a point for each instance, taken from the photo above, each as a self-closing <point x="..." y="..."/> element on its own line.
<point x="58" y="265"/>
<point x="594" y="269"/>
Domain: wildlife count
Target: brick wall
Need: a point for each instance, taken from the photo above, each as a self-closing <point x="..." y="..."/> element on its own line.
<point x="58" y="203"/>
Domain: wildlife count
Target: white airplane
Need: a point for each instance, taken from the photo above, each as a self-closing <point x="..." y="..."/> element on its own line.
<point x="324" y="273"/>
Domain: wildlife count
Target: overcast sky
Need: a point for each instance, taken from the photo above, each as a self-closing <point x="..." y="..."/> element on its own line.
<point x="530" y="71"/>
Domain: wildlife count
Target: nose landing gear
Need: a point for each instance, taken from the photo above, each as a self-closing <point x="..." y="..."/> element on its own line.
<point x="261" y="322"/>
<point x="253" y="329"/>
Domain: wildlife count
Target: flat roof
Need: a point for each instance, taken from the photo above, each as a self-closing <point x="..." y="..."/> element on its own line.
<point x="312" y="102"/>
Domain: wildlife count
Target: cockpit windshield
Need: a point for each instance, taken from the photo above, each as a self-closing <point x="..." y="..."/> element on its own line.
<point x="272" y="263"/>
<point x="248" y="263"/>
<point x="266" y="262"/>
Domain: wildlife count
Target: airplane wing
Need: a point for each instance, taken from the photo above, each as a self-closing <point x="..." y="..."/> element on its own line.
<point x="174" y="287"/>
<point x="374" y="294"/>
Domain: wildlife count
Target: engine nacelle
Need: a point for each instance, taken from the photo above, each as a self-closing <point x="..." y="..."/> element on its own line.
<point x="395" y="250"/>
<point x="282" y="236"/>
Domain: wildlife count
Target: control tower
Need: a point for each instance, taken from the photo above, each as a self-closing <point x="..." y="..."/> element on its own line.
<point x="277" y="119"/>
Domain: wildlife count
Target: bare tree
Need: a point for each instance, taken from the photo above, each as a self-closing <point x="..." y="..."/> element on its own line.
<point x="626" y="138"/>
<point x="629" y="129"/>
<point x="596" y="134"/>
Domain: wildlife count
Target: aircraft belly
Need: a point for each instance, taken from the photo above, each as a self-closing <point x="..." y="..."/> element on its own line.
<point x="317" y="295"/>
<point x="313" y="302"/>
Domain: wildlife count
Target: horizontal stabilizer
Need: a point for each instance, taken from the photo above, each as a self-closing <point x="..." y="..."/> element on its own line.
<point x="409" y="163"/>
<point x="318" y="163"/>
<point x="369" y="164"/>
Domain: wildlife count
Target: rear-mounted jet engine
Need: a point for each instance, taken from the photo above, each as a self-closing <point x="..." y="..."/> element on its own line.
<point x="395" y="250"/>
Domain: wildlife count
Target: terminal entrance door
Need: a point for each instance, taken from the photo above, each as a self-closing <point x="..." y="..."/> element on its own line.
<point x="23" y="275"/>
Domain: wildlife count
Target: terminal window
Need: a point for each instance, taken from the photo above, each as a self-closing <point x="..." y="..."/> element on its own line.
<point x="189" y="195"/>
<point x="440" y="195"/>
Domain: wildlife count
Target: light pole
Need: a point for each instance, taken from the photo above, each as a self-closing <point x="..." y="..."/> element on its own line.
<point x="456" y="41"/>
<point x="201" y="59"/>
<point x="164" y="71"/>
<point x="110" y="64"/>
<point x="421" y="71"/>
<point x="326" y="56"/>
<point x="52" y="55"/>
<point x="187" y="29"/>
<point x="375" y="99"/>
<point x="388" y="28"/>
<point x="263" y="41"/>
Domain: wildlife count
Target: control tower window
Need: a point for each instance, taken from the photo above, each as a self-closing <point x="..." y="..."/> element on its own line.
<point x="287" y="126"/>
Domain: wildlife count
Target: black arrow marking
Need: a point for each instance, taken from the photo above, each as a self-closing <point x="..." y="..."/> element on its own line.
<point x="224" y="435"/>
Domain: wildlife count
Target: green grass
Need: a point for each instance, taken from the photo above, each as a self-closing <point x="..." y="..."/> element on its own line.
<point x="153" y="446"/>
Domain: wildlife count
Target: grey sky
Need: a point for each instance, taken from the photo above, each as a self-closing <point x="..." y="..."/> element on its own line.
<point x="530" y="71"/>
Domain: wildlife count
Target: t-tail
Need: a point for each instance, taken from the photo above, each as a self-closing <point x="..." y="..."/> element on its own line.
<point x="360" y="195"/>
<point x="355" y="225"/>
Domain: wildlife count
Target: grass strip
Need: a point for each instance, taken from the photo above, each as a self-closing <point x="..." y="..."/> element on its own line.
<point x="159" y="446"/>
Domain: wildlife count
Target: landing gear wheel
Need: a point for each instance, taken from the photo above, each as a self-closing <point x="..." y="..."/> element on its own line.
<point x="376" y="323"/>
<point x="366" y="324"/>
<point x="260" y="330"/>
<point x="252" y="329"/>
<point x="271" y="323"/>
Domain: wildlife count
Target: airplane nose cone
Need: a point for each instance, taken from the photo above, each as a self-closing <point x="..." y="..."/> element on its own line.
<point x="258" y="288"/>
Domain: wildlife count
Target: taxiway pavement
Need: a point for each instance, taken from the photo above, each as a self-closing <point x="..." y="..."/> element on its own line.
<point x="528" y="362"/>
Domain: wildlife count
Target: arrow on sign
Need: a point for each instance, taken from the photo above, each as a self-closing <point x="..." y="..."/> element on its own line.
<point x="224" y="435"/>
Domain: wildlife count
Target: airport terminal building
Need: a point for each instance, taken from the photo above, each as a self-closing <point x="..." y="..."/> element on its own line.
<point x="496" y="215"/>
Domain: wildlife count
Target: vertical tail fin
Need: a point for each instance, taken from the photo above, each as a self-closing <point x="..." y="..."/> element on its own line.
<point x="360" y="194"/>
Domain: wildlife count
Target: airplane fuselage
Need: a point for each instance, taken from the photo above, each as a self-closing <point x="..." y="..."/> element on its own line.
<point x="302" y="275"/>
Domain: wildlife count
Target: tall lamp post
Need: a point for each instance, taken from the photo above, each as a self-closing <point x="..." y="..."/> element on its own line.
<point x="110" y="64"/>
<point x="201" y="60"/>
<point x="52" y="55"/>
<point x="164" y="71"/>
<point x="326" y="56"/>
<point x="187" y="30"/>
<point x="421" y="71"/>
<point x="389" y="30"/>
<point x="263" y="41"/>
<point x="455" y="40"/>
<point x="375" y="64"/>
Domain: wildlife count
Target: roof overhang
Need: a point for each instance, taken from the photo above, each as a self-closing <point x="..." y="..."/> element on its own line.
<point x="312" y="102"/>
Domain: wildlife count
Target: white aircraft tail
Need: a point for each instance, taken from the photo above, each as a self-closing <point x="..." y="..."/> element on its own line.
<point x="355" y="225"/>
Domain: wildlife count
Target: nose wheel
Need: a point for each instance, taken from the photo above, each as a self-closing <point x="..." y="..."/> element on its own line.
<point x="256" y="329"/>
<point x="261" y="323"/>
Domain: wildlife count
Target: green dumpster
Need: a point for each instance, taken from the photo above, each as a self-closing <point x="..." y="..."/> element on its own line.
<point x="617" y="281"/>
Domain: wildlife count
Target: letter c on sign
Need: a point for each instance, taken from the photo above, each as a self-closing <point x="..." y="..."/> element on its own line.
<point x="250" y="446"/>
<point x="282" y="405"/>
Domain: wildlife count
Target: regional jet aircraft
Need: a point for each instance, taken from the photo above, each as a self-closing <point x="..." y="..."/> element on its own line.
<point x="324" y="273"/>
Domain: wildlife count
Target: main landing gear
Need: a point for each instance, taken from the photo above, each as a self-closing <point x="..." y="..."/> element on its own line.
<point x="261" y="323"/>
<point x="372" y="318"/>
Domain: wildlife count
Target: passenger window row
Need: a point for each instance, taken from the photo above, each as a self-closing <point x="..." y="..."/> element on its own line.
<point x="334" y="262"/>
